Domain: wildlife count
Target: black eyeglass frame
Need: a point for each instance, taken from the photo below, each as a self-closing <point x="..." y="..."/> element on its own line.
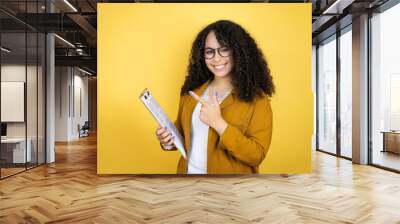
<point x="229" y="52"/>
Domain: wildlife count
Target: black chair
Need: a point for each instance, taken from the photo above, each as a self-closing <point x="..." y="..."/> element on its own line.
<point x="84" y="130"/>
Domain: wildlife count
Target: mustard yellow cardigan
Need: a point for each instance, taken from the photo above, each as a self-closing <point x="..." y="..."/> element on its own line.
<point x="244" y="143"/>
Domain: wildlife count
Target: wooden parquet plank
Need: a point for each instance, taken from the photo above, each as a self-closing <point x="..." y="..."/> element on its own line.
<point x="70" y="191"/>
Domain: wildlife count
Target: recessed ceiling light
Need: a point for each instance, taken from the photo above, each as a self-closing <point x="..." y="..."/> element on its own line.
<point x="64" y="40"/>
<point x="5" y="50"/>
<point x="338" y="6"/>
<point x="84" y="71"/>
<point x="71" y="6"/>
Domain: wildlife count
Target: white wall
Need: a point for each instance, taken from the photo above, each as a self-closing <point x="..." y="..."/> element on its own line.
<point x="71" y="94"/>
<point x="62" y="81"/>
<point x="81" y="102"/>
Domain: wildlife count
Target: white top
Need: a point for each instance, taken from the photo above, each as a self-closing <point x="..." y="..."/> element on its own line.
<point x="199" y="139"/>
<point x="13" y="140"/>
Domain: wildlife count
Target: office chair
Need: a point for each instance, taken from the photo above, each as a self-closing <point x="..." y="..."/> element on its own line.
<point x="84" y="130"/>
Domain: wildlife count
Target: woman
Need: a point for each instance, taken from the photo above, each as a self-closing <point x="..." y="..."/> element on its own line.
<point x="229" y="129"/>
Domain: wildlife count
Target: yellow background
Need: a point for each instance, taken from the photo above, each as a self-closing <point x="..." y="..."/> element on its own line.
<point x="147" y="46"/>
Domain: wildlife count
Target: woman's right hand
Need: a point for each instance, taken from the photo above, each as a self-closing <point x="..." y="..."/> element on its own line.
<point x="164" y="136"/>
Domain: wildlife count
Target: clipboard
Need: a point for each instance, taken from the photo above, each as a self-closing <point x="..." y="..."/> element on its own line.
<point x="162" y="119"/>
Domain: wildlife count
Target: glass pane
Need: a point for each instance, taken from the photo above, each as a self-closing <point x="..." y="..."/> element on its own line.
<point x="32" y="95"/>
<point x="327" y="96"/>
<point x="314" y="87"/>
<point x="346" y="94"/>
<point x="13" y="89"/>
<point x="41" y="98"/>
<point x="386" y="89"/>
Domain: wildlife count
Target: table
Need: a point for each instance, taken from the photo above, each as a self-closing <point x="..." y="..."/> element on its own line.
<point x="16" y="147"/>
<point x="391" y="141"/>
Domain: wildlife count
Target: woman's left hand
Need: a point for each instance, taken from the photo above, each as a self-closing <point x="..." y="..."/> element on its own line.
<point x="210" y="112"/>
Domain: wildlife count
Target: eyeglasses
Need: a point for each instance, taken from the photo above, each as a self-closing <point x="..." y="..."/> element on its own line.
<point x="224" y="51"/>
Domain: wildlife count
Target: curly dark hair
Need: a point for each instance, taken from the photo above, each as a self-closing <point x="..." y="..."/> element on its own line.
<point x="250" y="75"/>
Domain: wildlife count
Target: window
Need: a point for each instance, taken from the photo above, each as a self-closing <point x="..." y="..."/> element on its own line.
<point x="385" y="88"/>
<point x="327" y="95"/>
<point x="346" y="93"/>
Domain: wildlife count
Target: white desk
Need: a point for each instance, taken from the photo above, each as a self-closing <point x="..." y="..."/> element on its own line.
<point x="19" y="149"/>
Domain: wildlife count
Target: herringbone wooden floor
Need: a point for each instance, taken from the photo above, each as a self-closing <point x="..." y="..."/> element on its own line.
<point x="69" y="191"/>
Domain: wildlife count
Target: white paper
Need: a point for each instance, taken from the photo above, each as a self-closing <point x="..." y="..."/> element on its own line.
<point x="163" y="120"/>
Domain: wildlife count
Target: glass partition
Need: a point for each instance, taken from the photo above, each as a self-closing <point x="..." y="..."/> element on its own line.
<point x="327" y="95"/>
<point x="13" y="103"/>
<point x="22" y="88"/>
<point x="385" y="89"/>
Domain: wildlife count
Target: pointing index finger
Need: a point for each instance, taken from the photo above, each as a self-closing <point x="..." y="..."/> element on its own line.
<point x="196" y="97"/>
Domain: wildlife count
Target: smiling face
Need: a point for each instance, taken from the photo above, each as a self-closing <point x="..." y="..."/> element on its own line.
<point x="220" y="66"/>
